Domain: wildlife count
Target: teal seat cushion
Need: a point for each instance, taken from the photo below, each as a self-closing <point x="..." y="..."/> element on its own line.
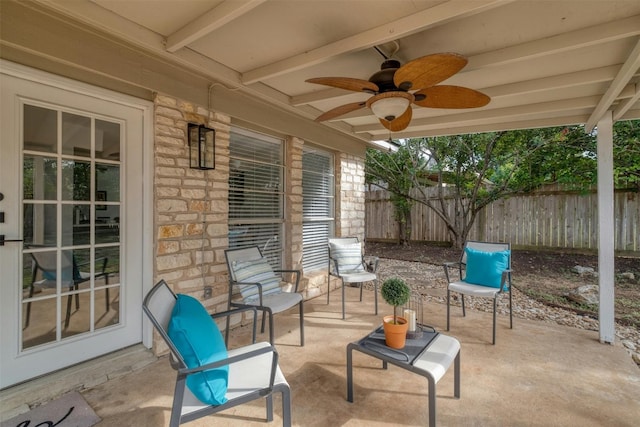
<point x="256" y="271"/>
<point x="348" y="256"/>
<point x="485" y="268"/>
<point x="199" y="341"/>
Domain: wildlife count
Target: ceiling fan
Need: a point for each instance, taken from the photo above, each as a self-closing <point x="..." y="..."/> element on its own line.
<point x="396" y="87"/>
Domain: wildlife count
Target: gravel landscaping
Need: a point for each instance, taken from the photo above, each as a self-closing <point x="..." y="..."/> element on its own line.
<point x="427" y="277"/>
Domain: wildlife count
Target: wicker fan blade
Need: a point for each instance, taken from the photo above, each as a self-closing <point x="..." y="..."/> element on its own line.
<point x="399" y="123"/>
<point x="428" y="70"/>
<point x="338" y="111"/>
<point x="356" y="85"/>
<point x="443" y="96"/>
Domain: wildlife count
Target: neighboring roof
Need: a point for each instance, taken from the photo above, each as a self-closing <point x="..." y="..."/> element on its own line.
<point x="542" y="62"/>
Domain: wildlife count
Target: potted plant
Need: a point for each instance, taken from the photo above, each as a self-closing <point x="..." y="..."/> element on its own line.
<point x="395" y="292"/>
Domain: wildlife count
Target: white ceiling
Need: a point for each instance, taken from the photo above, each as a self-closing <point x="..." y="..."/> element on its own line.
<point x="542" y="62"/>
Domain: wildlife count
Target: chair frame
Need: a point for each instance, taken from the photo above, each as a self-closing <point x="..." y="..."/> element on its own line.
<point x="248" y="352"/>
<point x="73" y="284"/>
<point x="334" y="270"/>
<point x="505" y="280"/>
<point x="235" y="254"/>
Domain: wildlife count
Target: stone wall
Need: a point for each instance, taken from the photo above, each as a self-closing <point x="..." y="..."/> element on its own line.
<point x="191" y="207"/>
<point x="351" y="189"/>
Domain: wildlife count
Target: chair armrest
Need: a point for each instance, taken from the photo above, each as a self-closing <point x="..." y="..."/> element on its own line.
<point x="297" y="273"/>
<point x="333" y="271"/>
<point x="233" y="359"/>
<point x="258" y="284"/>
<point x="371" y="263"/>
<point x="448" y="265"/>
<point x="506" y="277"/>
<point x="97" y="261"/>
<point x="228" y="313"/>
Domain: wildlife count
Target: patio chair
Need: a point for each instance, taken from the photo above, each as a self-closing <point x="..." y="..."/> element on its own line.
<point x="484" y="271"/>
<point x="71" y="276"/>
<point x="253" y="282"/>
<point x="347" y="262"/>
<point x="211" y="378"/>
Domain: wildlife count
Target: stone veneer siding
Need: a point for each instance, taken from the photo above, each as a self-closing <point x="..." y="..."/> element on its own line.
<point x="191" y="207"/>
<point x="350" y="195"/>
<point x="351" y="191"/>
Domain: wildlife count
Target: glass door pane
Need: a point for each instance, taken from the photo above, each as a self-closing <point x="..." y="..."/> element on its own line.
<point x="71" y="214"/>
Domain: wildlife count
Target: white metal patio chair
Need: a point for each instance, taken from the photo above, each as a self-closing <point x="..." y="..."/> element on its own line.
<point x="347" y="262"/>
<point x="254" y="283"/>
<point x="71" y="275"/>
<point x="198" y="354"/>
<point x="484" y="271"/>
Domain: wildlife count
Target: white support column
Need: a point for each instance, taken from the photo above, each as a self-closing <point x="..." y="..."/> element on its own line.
<point x="606" y="230"/>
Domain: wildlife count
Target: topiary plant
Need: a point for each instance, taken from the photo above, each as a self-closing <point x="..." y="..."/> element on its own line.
<point x="395" y="292"/>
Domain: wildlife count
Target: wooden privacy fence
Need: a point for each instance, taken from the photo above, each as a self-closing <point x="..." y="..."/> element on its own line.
<point x="550" y="219"/>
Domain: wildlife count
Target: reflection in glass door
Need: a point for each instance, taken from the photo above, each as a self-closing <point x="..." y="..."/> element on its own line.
<point x="71" y="224"/>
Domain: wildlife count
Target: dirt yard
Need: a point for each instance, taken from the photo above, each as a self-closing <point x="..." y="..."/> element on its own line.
<point x="543" y="275"/>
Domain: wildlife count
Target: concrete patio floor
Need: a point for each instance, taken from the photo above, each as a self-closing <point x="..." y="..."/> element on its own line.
<point x="537" y="374"/>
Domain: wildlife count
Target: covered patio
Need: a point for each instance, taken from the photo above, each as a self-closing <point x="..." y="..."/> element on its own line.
<point x="243" y="64"/>
<point x="538" y="375"/>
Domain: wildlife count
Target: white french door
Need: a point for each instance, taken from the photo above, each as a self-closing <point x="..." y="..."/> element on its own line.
<point x="70" y="264"/>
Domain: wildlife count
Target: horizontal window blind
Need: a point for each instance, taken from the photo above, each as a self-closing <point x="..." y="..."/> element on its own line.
<point x="256" y="195"/>
<point x="318" y="206"/>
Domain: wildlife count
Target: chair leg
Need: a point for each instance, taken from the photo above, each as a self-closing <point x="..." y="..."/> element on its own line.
<point x="270" y="314"/>
<point x="29" y="303"/>
<point x="361" y="288"/>
<point x="286" y="406"/>
<point x="494" y="320"/>
<point x="375" y="294"/>
<point x="302" y="323"/>
<point x="510" y="309"/>
<point x="178" y="397"/>
<point x="228" y="327"/>
<point x="108" y="300"/>
<point x="68" y="317"/>
<point x="464" y="312"/>
<point x="262" y="325"/>
<point x="448" y="299"/>
<point x="343" y="300"/>
<point x="269" y="400"/>
<point x="328" y="286"/>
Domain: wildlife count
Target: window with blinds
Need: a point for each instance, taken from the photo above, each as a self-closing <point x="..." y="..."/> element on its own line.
<point x="256" y="193"/>
<point x="318" y="206"/>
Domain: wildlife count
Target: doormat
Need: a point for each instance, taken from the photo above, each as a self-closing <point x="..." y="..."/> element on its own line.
<point x="70" y="410"/>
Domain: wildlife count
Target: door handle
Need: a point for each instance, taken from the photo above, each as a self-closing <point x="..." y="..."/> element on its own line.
<point x="3" y="240"/>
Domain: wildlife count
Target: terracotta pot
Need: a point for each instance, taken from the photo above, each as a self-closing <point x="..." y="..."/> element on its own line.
<point x="395" y="335"/>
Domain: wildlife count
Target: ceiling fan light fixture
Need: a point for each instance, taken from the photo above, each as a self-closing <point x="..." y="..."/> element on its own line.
<point x="389" y="105"/>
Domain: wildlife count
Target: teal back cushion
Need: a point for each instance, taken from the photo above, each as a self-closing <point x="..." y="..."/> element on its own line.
<point x="256" y="271"/>
<point x="199" y="341"/>
<point x="485" y="268"/>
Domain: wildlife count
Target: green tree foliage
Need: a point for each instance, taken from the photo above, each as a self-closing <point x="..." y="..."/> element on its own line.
<point x="394" y="171"/>
<point x="471" y="171"/>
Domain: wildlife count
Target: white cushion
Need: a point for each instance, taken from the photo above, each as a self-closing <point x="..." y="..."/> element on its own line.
<point x="438" y="356"/>
<point x="473" y="290"/>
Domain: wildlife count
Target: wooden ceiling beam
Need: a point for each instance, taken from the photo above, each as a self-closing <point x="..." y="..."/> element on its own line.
<point x="611" y="31"/>
<point x="217" y="17"/>
<point x="627" y="71"/>
<point x="385" y="33"/>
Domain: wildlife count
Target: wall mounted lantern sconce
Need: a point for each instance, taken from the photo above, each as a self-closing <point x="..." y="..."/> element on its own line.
<point x="202" y="147"/>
